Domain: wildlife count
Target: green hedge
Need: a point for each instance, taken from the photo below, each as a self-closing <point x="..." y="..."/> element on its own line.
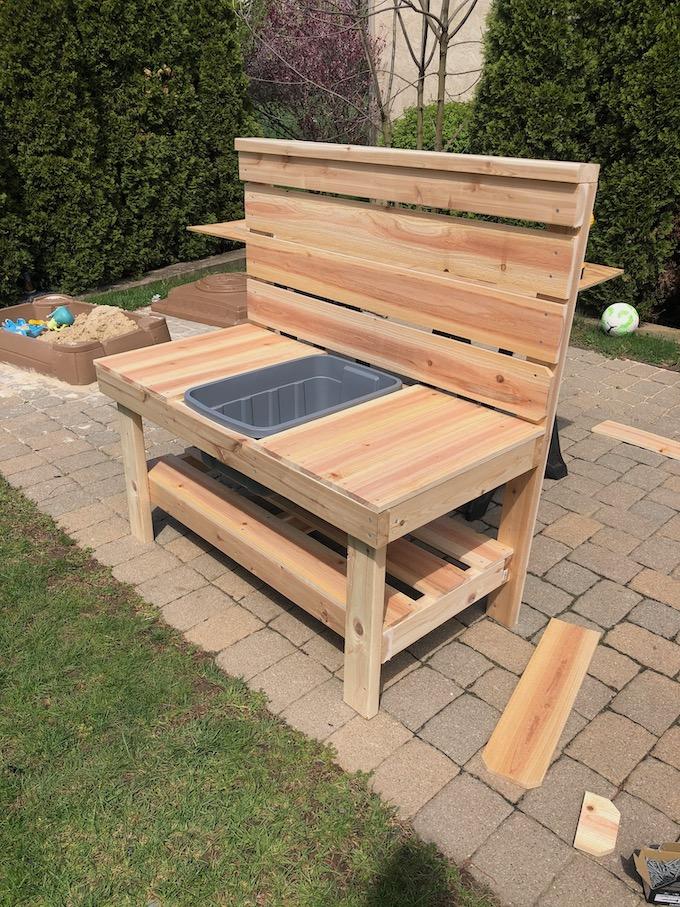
<point x="595" y="81"/>
<point x="117" y="123"/>
<point x="457" y="116"/>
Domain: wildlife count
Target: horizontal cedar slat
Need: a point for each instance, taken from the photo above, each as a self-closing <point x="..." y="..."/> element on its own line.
<point x="235" y="230"/>
<point x="284" y="557"/>
<point x="423" y="570"/>
<point x="533" y="327"/>
<point x="526" y="199"/>
<point x="514" y="258"/>
<point x="433" y="614"/>
<point x="512" y="385"/>
<point x="593" y="275"/>
<point x="458" y="539"/>
<point x="524" y="740"/>
<point x="559" y="171"/>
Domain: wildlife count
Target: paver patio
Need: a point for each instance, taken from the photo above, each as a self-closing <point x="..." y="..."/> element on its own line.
<point x="606" y="555"/>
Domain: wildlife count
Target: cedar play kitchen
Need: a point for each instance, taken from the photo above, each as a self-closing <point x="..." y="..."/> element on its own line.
<point x="340" y="495"/>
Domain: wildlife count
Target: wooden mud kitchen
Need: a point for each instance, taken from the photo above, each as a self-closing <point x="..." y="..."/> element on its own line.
<point x="349" y="514"/>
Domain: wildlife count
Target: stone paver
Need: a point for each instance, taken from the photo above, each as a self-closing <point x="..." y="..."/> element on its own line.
<point x="412" y="775"/>
<point x="610" y="564"/>
<point x="98" y="534"/>
<point x="545" y="597"/>
<point x="499" y="645"/>
<point x="418" y="696"/>
<point x="462" y="727"/>
<point x="658" y="553"/>
<point x="461" y="817"/>
<point x="649" y="649"/>
<point x="606" y="603"/>
<point x="659" y="785"/>
<point x="222" y="630"/>
<point x="150" y="564"/>
<point x="496" y="687"/>
<point x="611" y="745"/>
<point x="362" y="745"/>
<point x="557" y="802"/>
<point x="507" y="789"/>
<point x="572" y="529"/>
<point x="615" y="540"/>
<point x="530" y="622"/>
<point x="86" y="516"/>
<point x="656" y="617"/>
<point x="320" y="712"/>
<point x="592" y="698"/>
<point x="585" y="884"/>
<point x="612" y="668"/>
<point x="160" y="590"/>
<point x="289" y="679"/>
<point x="651" y="700"/>
<point x="183" y="613"/>
<point x="571" y="578"/>
<point x="668" y="747"/>
<point x="639" y="822"/>
<point x="326" y="648"/>
<point x="658" y="586"/>
<point x="545" y="553"/>
<point x="460" y="663"/>
<point x="296" y="625"/>
<point x="520" y="859"/>
<point x="254" y="654"/>
<point x="606" y="555"/>
<point x="265" y="603"/>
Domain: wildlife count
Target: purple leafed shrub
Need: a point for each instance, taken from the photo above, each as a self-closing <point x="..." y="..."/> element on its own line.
<point x="309" y="69"/>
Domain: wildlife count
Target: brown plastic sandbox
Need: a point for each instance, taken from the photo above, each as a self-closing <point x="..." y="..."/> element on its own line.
<point x="72" y="362"/>
<point x="217" y="299"/>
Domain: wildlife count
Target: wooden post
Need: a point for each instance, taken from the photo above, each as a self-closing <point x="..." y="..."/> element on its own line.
<point x="364" y="625"/>
<point x="523" y="494"/>
<point x="521" y="498"/>
<point x="136" y="478"/>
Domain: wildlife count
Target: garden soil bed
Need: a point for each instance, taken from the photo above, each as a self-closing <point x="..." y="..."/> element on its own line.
<point x="73" y="362"/>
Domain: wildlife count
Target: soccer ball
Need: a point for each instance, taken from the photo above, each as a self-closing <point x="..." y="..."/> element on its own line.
<point x="619" y="318"/>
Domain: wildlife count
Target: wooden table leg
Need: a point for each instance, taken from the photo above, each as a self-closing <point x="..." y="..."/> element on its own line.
<point x="364" y="625"/>
<point x="516" y="529"/>
<point x="136" y="476"/>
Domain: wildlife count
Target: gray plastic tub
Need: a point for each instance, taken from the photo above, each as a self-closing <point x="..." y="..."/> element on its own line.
<point x="268" y="400"/>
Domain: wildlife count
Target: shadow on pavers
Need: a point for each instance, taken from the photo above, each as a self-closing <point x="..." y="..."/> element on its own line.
<point x="421" y="864"/>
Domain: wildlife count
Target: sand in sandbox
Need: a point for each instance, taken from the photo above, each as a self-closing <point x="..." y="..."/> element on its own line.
<point x="103" y="323"/>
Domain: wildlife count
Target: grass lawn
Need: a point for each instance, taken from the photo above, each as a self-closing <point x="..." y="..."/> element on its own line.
<point x="133" y="772"/>
<point x="651" y="348"/>
<point x="139" y="297"/>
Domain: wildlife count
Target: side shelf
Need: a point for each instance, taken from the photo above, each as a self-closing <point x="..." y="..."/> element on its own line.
<point x="304" y="558"/>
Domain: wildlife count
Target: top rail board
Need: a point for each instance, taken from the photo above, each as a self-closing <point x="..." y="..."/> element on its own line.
<point x="557" y="171"/>
<point x="538" y="200"/>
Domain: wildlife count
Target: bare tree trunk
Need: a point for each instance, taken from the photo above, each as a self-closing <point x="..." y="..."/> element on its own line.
<point x="381" y="103"/>
<point x="443" y="39"/>
<point x="420" y="88"/>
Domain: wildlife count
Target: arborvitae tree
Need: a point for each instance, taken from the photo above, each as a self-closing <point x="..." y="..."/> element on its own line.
<point x="595" y="81"/>
<point x="120" y="119"/>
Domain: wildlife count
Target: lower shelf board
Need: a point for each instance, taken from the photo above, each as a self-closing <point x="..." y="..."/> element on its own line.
<point x="304" y="557"/>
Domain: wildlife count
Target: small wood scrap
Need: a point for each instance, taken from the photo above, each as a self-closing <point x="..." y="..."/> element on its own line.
<point x="524" y="740"/>
<point x="598" y="826"/>
<point x="668" y="447"/>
